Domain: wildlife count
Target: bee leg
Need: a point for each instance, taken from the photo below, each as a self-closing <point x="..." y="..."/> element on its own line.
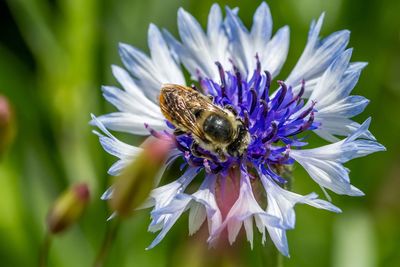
<point x="178" y="132"/>
<point x="221" y="155"/>
<point x="194" y="150"/>
<point x="231" y="109"/>
<point x="211" y="98"/>
<point x="194" y="87"/>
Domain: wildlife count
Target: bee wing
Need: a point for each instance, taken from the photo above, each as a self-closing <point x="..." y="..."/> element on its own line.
<point x="182" y="106"/>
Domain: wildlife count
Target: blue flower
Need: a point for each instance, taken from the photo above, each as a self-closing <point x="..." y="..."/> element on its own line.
<point x="237" y="68"/>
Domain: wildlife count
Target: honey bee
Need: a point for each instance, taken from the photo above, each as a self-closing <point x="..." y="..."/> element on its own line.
<point x="213" y="128"/>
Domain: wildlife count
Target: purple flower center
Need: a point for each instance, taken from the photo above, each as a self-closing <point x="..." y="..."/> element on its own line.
<point x="273" y="121"/>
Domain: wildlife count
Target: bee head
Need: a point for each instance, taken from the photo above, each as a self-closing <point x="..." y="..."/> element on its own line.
<point x="238" y="146"/>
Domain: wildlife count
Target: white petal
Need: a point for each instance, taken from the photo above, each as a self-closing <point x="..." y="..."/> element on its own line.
<point x="201" y="204"/>
<point x="278" y="236"/>
<point x="161" y="196"/>
<point x="178" y="206"/>
<point x="324" y="164"/>
<point x="244" y="209"/>
<point x="318" y="55"/>
<point x="206" y="197"/>
<point x="142" y="68"/>
<point x="246" y="45"/>
<point x="281" y="202"/>
<point x="107" y="194"/>
<point x="347" y="107"/>
<point x="329" y="174"/>
<point x="248" y="227"/>
<point x="168" y="204"/>
<point x="118" y="167"/>
<point x="132" y="89"/>
<point x="115" y="147"/>
<point x="333" y="104"/>
<point x="198" y="51"/>
<point x="125" y="102"/>
<point x="240" y="43"/>
<point x="151" y="73"/>
<point x="214" y="23"/>
<point x="262" y="25"/>
<point x="325" y="92"/>
<point x="161" y="57"/>
<point x="197" y="215"/>
<point x="339" y="126"/>
<point x="351" y="77"/>
<point x="196" y="43"/>
<point x="275" y="53"/>
<point x="130" y="123"/>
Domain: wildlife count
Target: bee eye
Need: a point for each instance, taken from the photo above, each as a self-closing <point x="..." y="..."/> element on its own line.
<point x="218" y="128"/>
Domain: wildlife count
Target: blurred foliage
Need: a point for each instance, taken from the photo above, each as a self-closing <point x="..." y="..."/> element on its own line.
<point x="55" y="55"/>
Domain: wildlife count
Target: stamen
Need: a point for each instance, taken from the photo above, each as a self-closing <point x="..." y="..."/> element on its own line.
<point x="246" y="119"/>
<point x="239" y="85"/>
<point x="298" y="96"/>
<point x="282" y="94"/>
<point x="152" y="131"/>
<point x="180" y="146"/>
<point x="268" y="121"/>
<point x="265" y="108"/>
<point x="307" y="111"/>
<point x="309" y="122"/>
<point x="258" y="64"/>
<point x="254" y="99"/>
<point x="272" y="133"/>
<point x="303" y="86"/>
<point x="222" y="77"/>
<point x="283" y="159"/>
<point x="199" y="76"/>
<point x="267" y="85"/>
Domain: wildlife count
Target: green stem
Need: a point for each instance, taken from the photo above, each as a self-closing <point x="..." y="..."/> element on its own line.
<point x="106" y="245"/>
<point x="279" y="260"/>
<point x="44" y="250"/>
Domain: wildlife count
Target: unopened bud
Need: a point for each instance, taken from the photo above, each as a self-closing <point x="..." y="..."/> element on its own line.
<point x="133" y="186"/>
<point x="68" y="208"/>
<point x="7" y="124"/>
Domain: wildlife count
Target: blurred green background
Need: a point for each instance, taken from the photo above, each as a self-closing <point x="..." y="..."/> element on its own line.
<point x="55" y="55"/>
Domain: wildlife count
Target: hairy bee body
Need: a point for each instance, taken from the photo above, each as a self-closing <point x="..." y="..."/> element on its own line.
<point x="213" y="128"/>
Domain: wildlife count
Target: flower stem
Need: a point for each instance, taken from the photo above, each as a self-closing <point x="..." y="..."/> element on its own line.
<point x="44" y="250"/>
<point x="105" y="247"/>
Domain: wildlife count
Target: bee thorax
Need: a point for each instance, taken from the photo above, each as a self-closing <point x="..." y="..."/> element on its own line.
<point x="218" y="128"/>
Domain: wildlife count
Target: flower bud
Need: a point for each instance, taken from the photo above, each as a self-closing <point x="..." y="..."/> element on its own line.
<point x="133" y="186"/>
<point x="68" y="208"/>
<point x="7" y="124"/>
